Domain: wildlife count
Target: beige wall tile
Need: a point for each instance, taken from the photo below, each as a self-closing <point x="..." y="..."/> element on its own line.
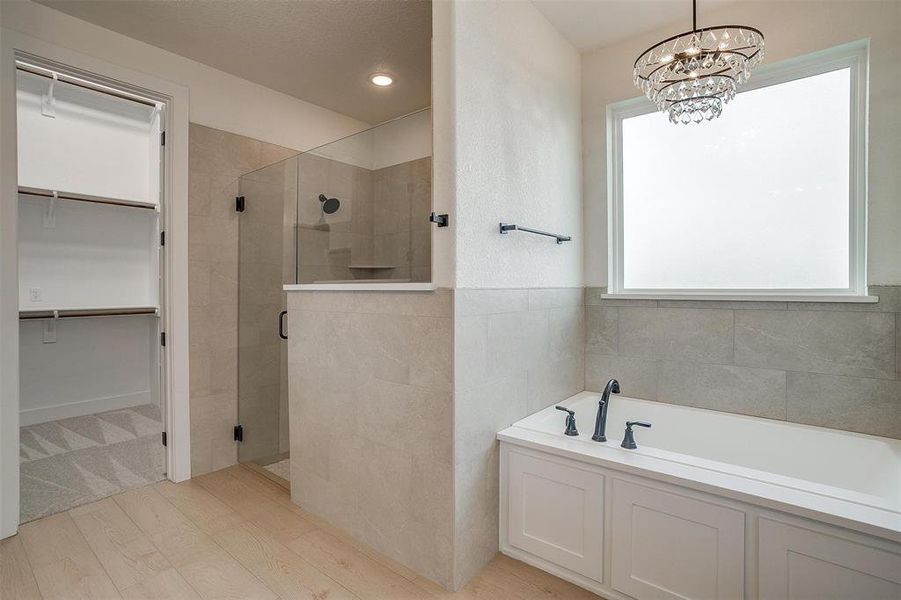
<point x="851" y="403"/>
<point x="554" y="381"/>
<point x="637" y="376"/>
<point x="601" y="329"/>
<point x="840" y="343"/>
<point x="516" y="351"/>
<point x="676" y="334"/>
<point x="216" y="160"/>
<point x="371" y="418"/>
<point x="546" y="298"/>
<point x="483" y="411"/>
<point x="756" y="392"/>
<point x="471" y="302"/>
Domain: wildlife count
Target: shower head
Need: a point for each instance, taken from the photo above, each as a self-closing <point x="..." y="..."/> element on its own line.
<point x="329" y="205"/>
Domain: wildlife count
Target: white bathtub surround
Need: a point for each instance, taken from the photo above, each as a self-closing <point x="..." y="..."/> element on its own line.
<point x="834" y="365"/>
<point x="791" y="502"/>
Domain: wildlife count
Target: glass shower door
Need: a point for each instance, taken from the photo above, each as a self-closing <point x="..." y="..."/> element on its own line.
<point x="265" y="261"/>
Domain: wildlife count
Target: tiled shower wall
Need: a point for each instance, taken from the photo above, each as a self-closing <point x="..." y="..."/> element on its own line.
<point x="516" y="351"/>
<point x="216" y="160"/>
<point x="382" y="221"/>
<point x="327" y="244"/>
<point x="401" y="232"/>
<point x="829" y="364"/>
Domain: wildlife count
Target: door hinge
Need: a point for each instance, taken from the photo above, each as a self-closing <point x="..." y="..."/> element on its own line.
<point x="164" y="439"/>
<point x="162" y="238"/>
<point x="162" y="138"/>
<point x="162" y="338"/>
<point x="239" y="203"/>
<point x="239" y="433"/>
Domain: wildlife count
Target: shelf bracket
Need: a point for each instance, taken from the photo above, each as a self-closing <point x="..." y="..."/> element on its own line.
<point x="48" y="102"/>
<point x="49" y="335"/>
<point x="50" y="212"/>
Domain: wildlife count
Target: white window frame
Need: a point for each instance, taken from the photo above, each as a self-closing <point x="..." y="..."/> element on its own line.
<point x="853" y="56"/>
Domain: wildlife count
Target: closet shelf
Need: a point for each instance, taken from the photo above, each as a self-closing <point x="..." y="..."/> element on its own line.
<point x="44" y="193"/>
<point x="68" y="313"/>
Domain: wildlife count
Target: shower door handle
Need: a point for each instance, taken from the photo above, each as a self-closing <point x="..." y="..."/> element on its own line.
<point x="281" y="325"/>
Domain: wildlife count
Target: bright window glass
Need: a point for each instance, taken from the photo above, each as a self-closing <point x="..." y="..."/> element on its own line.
<point x="758" y="199"/>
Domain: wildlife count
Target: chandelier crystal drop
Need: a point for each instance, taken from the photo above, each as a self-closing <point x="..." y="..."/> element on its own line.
<point x="691" y="76"/>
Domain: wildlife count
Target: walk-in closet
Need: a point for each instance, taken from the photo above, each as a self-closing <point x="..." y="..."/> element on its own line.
<point x="89" y="245"/>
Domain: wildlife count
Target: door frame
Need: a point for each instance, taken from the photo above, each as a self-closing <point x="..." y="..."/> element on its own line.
<point x="174" y="302"/>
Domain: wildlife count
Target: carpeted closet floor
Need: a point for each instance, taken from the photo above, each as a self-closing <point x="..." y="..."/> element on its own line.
<point x="70" y="462"/>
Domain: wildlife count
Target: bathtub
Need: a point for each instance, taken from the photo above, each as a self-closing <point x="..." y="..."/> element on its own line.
<point x="710" y="504"/>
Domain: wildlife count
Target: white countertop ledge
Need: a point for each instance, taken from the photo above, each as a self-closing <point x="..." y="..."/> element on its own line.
<point x="360" y="287"/>
<point x="746" y="297"/>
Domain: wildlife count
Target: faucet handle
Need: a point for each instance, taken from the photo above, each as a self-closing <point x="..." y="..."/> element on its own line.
<point x="629" y="436"/>
<point x="570" y="421"/>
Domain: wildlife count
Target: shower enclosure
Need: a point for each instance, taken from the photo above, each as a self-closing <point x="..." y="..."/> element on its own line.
<point x="353" y="210"/>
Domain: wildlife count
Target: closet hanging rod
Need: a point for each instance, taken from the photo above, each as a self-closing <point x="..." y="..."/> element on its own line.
<point x="43" y="193"/>
<point x="72" y="313"/>
<point x="48" y="73"/>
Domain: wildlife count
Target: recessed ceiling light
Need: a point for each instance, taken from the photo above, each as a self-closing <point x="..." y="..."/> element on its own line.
<point x="381" y="79"/>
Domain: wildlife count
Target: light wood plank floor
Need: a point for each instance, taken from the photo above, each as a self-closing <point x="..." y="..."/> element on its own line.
<point x="231" y="534"/>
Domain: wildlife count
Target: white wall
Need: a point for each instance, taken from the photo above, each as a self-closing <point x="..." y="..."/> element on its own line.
<point x="517" y="145"/>
<point x="791" y="29"/>
<point x="402" y="140"/>
<point x="92" y="144"/>
<point x="398" y="141"/>
<point x="96" y="256"/>
<point x="218" y="99"/>
<point x="95" y="365"/>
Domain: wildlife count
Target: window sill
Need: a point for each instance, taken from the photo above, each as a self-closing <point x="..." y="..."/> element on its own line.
<point x="747" y="297"/>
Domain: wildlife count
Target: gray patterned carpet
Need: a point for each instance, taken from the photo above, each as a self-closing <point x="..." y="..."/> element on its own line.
<point x="70" y="462"/>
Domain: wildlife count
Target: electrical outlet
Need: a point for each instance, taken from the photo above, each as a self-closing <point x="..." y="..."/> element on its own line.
<point x="34" y="294"/>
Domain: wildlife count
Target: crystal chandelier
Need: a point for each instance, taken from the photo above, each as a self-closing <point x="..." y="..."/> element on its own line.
<point x="693" y="74"/>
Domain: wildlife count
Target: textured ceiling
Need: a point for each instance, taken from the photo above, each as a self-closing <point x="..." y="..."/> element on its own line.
<point x="321" y="51"/>
<point x="591" y="24"/>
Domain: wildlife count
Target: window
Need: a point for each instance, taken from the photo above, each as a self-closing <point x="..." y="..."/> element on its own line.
<point x="768" y="199"/>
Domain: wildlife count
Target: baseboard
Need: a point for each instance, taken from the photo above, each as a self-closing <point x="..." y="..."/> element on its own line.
<point x="91" y="406"/>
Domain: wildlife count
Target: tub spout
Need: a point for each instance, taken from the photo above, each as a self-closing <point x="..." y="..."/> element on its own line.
<point x="600" y="422"/>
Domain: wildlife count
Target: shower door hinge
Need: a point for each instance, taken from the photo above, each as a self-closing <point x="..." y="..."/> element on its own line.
<point x="239" y="203"/>
<point x="164" y="439"/>
<point x="162" y="338"/>
<point x="162" y="238"/>
<point x="162" y="138"/>
<point x="239" y="433"/>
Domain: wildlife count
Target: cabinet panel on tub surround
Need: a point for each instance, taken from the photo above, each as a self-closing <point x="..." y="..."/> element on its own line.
<point x="796" y="561"/>
<point x="558" y="514"/>
<point x="670" y="546"/>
